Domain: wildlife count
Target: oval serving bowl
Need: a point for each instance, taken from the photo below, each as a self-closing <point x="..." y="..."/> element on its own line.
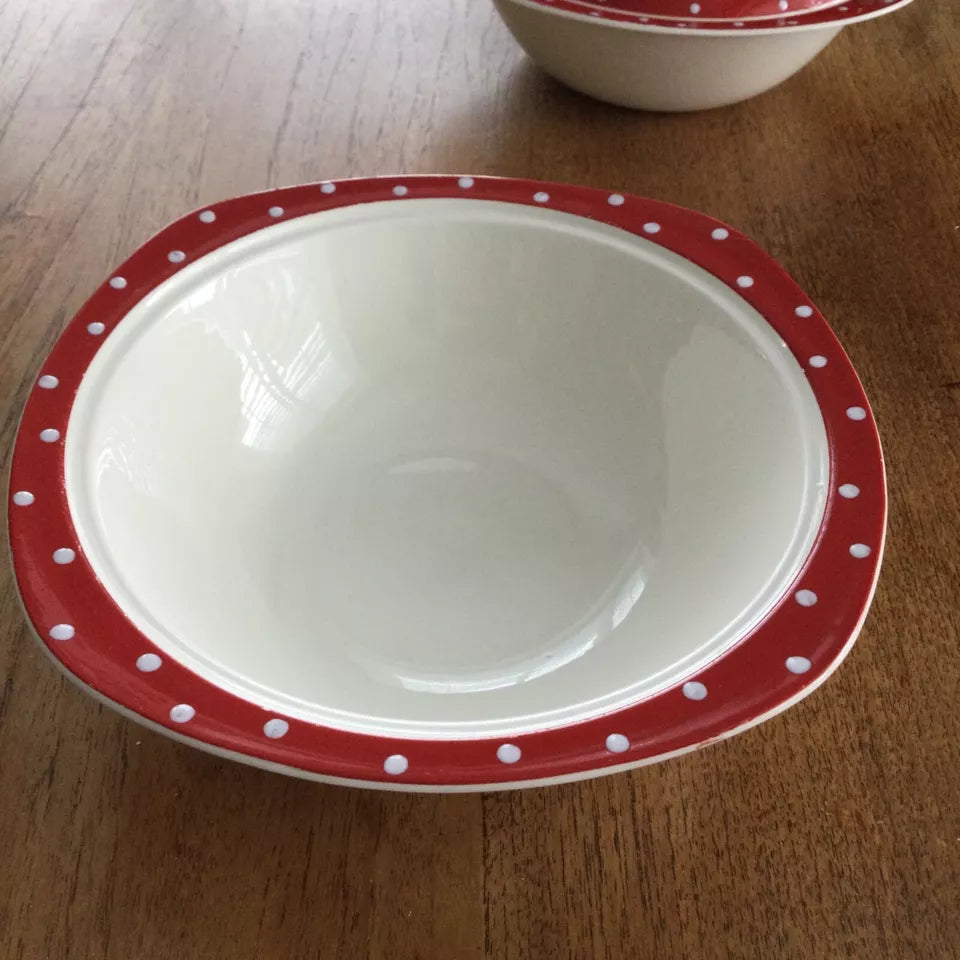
<point x="617" y="54"/>
<point x="447" y="483"/>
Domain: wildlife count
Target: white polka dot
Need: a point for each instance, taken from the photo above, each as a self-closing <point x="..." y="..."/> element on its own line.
<point x="23" y="498"/>
<point x="651" y="227"/>
<point x="50" y="435"/>
<point x="148" y="662"/>
<point x="48" y="382"/>
<point x="720" y="233"/>
<point x="798" y="664"/>
<point x="508" y="753"/>
<point x="182" y="713"/>
<point x="618" y="743"/>
<point x="207" y="216"/>
<point x="328" y="187"/>
<point x="95" y="328"/>
<point x="744" y="282"/>
<point x="541" y="197"/>
<point x="400" y="190"/>
<point x="860" y="550"/>
<point x="615" y="199"/>
<point x="118" y="283"/>
<point x="818" y="360"/>
<point x="276" y="728"/>
<point x="856" y="413"/>
<point x="275" y="211"/>
<point x="784" y="5"/>
<point x="804" y="311"/>
<point x="465" y="183"/>
<point x="396" y="764"/>
<point x="62" y="631"/>
<point x="63" y="555"/>
<point x="694" y="690"/>
<point x="848" y="490"/>
<point x="176" y="256"/>
<point x="806" y="598"/>
<point x="694" y="8"/>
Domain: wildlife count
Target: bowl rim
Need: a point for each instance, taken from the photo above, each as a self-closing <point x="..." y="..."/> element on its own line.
<point x="799" y="642"/>
<point x="844" y="14"/>
<point x="688" y="16"/>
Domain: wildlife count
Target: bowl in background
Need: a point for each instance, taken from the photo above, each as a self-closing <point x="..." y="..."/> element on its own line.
<point x="633" y="60"/>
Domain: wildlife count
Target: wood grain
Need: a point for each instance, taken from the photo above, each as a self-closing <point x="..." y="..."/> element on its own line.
<point x="830" y="832"/>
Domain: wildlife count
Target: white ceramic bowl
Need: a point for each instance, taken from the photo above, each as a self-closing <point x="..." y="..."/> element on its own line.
<point x="447" y="482"/>
<point x="647" y="63"/>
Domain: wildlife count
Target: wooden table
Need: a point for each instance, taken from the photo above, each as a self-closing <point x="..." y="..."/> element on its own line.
<point x="832" y="831"/>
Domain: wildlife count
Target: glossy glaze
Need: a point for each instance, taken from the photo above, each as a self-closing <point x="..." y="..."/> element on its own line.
<point x="445" y="467"/>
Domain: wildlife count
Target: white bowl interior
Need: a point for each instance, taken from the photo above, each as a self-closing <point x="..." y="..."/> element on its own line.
<point x="445" y="467"/>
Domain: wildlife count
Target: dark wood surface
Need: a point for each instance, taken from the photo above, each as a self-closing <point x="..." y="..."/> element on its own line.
<point x="833" y="831"/>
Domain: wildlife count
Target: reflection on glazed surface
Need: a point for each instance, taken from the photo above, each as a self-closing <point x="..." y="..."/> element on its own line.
<point x="441" y="465"/>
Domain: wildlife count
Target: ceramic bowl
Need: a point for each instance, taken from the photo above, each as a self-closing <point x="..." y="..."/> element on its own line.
<point x="634" y="60"/>
<point x="447" y="483"/>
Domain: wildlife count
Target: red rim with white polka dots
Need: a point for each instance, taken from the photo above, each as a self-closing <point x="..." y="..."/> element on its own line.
<point x="713" y="9"/>
<point x="640" y="15"/>
<point x="793" y="649"/>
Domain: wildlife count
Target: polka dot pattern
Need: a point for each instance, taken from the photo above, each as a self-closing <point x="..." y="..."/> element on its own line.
<point x="149" y="663"/>
<point x="721" y="685"/>
<point x="396" y="764"/>
<point x="806" y="598"/>
<point x="717" y="15"/>
<point x="617" y="743"/>
<point x="276" y="728"/>
<point x="182" y="713"/>
<point x="695" y="690"/>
